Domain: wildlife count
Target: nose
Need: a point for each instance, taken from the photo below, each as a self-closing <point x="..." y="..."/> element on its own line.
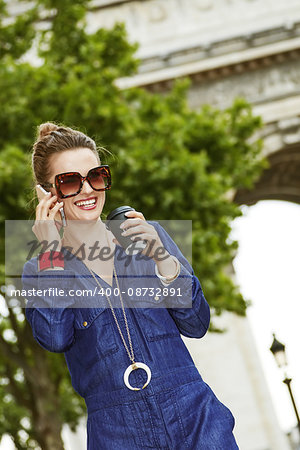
<point x="86" y="188"/>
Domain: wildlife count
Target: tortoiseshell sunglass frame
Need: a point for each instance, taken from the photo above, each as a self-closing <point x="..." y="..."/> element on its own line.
<point x="59" y="180"/>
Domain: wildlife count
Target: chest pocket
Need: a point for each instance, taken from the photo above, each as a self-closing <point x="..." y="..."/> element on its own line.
<point x="94" y="334"/>
<point x="156" y="322"/>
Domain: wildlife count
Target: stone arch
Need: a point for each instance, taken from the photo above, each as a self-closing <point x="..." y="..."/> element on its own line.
<point x="281" y="181"/>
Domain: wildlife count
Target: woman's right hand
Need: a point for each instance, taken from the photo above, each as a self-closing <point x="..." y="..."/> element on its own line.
<point x="45" y="227"/>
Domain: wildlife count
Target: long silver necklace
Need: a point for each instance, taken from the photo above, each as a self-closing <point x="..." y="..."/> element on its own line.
<point x="135" y="365"/>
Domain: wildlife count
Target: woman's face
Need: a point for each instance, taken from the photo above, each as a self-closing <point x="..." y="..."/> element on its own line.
<point x="78" y="160"/>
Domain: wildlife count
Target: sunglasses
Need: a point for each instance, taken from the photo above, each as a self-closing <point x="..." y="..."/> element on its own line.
<point x="69" y="184"/>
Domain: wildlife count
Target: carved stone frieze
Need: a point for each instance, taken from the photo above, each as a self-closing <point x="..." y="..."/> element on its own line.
<point x="258" y="86"/>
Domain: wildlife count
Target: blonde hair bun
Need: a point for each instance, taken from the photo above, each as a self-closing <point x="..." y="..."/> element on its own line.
<point x="46" y="128"/>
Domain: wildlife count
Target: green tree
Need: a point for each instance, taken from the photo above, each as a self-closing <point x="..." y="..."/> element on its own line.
<point x="170" y="163"/>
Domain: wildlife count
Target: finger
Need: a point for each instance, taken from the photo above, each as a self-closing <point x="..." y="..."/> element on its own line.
<point x="138" y="226"/>
<point x="44" y="200"/>
<point x="39" y="211"/>
<point x="146" y="234"/>
<point x="131" y="223"/>
<point x="51" y="200"/>
<point x="134" y="230"/>
<point x="116" y="242"/>
<point x="54" y="210"/>
<point x="45" y="207"/>
<point x="145" y="239"/>
<point x="47" y="198"/>
<point x="40" y="205"/>
<point x="141" y="237"/>
<point x="135" y="214"/>
<point x="33" y="228"/>
<point x="152" y="245"/>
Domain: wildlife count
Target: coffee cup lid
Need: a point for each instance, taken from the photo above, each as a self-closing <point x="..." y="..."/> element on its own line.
<point x="117" y="211"/>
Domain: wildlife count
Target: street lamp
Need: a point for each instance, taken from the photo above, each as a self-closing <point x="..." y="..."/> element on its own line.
<point x="278" y="350"/>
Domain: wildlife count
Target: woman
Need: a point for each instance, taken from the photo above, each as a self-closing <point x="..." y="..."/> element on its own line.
<point x="159" y="400"/>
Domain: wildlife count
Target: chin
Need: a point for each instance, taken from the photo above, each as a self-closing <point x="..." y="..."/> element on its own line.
<point x="83" y="215"/>
<point x="89" y="215"/>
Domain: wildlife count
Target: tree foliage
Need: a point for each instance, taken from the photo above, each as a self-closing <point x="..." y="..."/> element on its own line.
<point x="170" y="162"/>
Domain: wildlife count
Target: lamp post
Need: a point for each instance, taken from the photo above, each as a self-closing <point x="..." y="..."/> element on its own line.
<point x="278" y="350"/>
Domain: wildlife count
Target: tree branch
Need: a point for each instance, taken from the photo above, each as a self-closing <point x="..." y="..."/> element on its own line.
<point x="17" y="329"/>
<point x="8" y="351"/>
<point x="15" y="389"/>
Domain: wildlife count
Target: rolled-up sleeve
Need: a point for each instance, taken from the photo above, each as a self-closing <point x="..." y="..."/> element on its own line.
<point x="192" y="319"/>
<point x="49" y="306"/>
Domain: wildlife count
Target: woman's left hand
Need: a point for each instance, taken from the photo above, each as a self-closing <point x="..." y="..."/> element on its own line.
<point x="137" y="225"/>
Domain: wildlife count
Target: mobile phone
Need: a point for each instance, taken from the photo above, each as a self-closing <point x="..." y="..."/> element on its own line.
<point x="41" y="192"/>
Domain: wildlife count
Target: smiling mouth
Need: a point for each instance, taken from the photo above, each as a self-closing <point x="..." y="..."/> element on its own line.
<point x="89" y="203"/>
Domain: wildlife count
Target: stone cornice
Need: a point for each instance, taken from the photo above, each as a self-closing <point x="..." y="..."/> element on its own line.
<point x="218" y="66"/>
<point x="220" y="47"/>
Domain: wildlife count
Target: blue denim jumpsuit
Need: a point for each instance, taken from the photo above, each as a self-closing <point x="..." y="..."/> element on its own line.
<point x="177" y="409"/>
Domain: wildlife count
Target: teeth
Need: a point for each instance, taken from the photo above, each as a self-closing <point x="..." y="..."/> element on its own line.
<point x="86" y="202"/>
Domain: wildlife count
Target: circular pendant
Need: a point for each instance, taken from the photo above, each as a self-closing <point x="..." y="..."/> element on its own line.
<point x="134" y="366"/>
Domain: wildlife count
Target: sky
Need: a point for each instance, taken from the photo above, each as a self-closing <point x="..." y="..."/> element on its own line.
<point x="267" y="271"/>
